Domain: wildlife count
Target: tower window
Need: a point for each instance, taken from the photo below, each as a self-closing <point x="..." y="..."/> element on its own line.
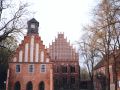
<point x="31" y="68"/>
<point x="17" y="68"/>
<point x="43" y="68"/>
<point x="32" y="25"/>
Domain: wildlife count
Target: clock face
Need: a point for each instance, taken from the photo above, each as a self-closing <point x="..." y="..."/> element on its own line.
<point x="32" y="25"/>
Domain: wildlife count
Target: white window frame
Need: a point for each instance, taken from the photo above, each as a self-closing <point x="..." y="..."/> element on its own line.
<point x="29" y="68"/>
<point x="16" y="68"/>
<point x="41" y="68"/>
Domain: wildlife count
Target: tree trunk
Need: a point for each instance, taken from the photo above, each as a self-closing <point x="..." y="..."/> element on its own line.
<point x="107" y="74"/>
<point x="115" y="71"/>
<point x="92" y="83"/>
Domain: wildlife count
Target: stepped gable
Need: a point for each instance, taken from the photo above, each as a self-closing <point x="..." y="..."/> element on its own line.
<point x="30" y="67"/>
<point x="61" y="50"/>
<point x="31" y="49"/>
<point x="38" y="43"/>
<point x="66" y="70"/>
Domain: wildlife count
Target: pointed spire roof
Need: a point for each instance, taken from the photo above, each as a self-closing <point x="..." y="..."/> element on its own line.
<point x="33" y="20"/>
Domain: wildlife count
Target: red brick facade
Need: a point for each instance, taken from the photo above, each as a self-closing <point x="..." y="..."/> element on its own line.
<point x="33" y="67"/>
<point x="34" y="71"/>
<point x="100" y="74"/>
<point x="66" y="64"/>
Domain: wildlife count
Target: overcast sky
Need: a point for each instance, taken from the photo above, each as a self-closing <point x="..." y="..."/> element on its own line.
<point x="66" y="16"/>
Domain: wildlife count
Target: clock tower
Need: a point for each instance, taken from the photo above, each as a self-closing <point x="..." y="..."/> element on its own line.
<point x="33" y="26"/>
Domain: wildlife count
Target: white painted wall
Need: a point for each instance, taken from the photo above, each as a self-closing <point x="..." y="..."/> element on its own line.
<point x="31" y="48"/>
<point x="42" y="56"/>
<point x="14" y="59"/>
<point x="37" y="52"/>
<point x="47" y="60"/>
<point x="20" y="56"/>
<point x="26" y="52"/>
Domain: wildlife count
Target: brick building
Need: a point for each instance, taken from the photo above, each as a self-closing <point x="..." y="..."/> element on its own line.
<point x="100" y="74"/>
<point x="30" y="68"/>
<point x="66" y="71"/>
<point x="33" y="67"/>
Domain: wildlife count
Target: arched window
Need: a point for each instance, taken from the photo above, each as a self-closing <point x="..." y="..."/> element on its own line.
<point x="42" y="86"/>
<point x="17" y="86"/>
<point x="29" y="86"/>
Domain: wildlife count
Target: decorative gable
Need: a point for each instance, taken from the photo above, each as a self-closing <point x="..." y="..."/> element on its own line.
<point x="31" y="50"/>
<point x="62" y="50"/>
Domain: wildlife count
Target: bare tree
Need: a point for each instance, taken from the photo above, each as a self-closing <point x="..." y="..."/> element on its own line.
<point x="110" y="30"/>
<point x="90" y="55"/>
<point x="12" y="16"/>
<point x="84" y="74"/>
<point x="105" y="31"/>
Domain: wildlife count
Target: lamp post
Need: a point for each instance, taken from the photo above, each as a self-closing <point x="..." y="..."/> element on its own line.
<point x="4" y="84"/>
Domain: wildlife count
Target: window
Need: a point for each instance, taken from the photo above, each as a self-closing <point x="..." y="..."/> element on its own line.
<point x="57" y="69"/>
<point x="72" y="79"/>
<point x="56" y="84"/>
<point x="42" y="68"/>
<point x="17" y="86"/>
<point x="32" y="25"/>
<point x="17" y="68"/>
<point x="42" y="86"/>
<point x="64" y="82"/>
<point x="29" y="86"/>
<point x="31" y="68"/>
<point x="64" y="69"/>
<point x="72" y="69"/>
